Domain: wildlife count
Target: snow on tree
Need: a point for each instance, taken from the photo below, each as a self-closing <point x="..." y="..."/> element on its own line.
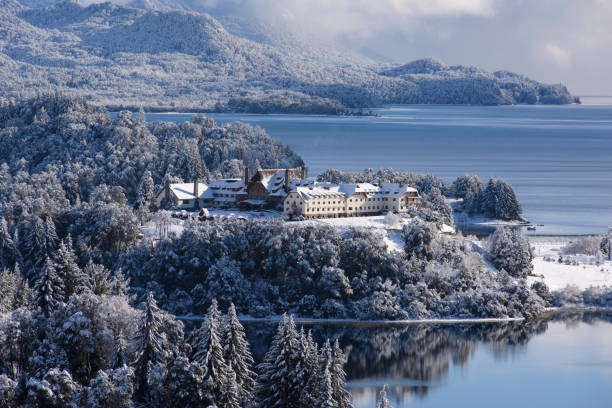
<point x="146" y="190"/>
<point x="420" y="239"/>
<point x="184" y="383"/>
<point x="499" y="201"/>
<point x="56" y="389"/>
<point x="383" y="401"/>
<point x="230" y="393"/>
<point x="237" y="356"/>
<point x="9" y="252"/>
<point x="8" y="392"/>
<point x="14" y="290"/>
<point x="153" y="349"/>
<point x="338" y="376"/>
<point x="436" y="202"/>
<point x="277" y="384"/>
<point x="606" y="244"/>
<point x="50" y="289"/>
<point x="326" y="391"/>
<point x="67" y="269"/>
<point x="109" y="389"/>
<point x="467" y="186"/>
<point x="207" y="351"/>
<point x="508" y="250"/>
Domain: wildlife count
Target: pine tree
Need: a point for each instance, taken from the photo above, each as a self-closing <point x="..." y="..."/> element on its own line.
<point x="237" y="356"/>
<point x="341" y="395"/>
<point x="207" y="351"/>
<point x="510" y="251"/>
<point x="309" y="372"/>
<point x="146" y="190"/>
<point x="383" y="401"/>
<point x="184" y="383"/>
<point x="14" y="290"/>
<point x="151" y="349"/>
<point x="277" y="385"/>
<point x="9" y="252"/>
<point x="74" y="279"/>
<point x="49" y="290"/>
<point x="326" y="391"/>
<point x="230" y="393"/>
<point x="39" y="242"/>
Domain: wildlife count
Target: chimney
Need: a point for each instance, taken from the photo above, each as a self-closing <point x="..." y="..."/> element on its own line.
<point x="247" y="175"/>
<point x="287" y="180"/>
<point x="304" y="171"/>
<point x="196" y="194"/>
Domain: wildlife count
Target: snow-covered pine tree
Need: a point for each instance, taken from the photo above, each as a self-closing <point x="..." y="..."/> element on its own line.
<point x="207" y="351"/>
<point x="97" y="279"/>
<point x="67" y="269"/>
<point x="120" y="285"/>
<point x="152" y="349"/>
<point x="230" y="393"/>
<point x="9" y="252"/>
<point x="326" y="391"/>
<point x="37" y="242"/>
<point x="499" y="201"/>
<point x="277" y="385"/>
<point x="383" y="401"/>
<point x="237" y="356"/>
<point x="184" y="383"/>
<point x="49" y="290"/>
<point x="14" y="290"/>
<point x="309" y="371"/>
<point x="146" y="190"/>
<point x="510" y="251"/>
<point x="341" y="395"/>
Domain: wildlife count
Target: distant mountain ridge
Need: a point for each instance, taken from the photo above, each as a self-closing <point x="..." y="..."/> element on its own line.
<point x="177" y="59"/>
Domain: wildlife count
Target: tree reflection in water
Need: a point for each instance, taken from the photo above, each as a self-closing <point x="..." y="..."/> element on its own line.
<point x="412" y="359"/>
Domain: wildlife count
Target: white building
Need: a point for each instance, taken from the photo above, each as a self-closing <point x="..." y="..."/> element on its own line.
<point x="182" y="195"/>
<point x="225" y="193"/>
<point x="349" y="200"/>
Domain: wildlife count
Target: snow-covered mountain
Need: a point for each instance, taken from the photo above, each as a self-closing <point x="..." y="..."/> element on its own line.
<point x="171" y="59"/>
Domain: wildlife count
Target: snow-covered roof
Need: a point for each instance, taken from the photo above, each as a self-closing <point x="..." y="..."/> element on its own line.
<point x="234" y="183"/>
<point x="395" y="190"/>
<point x="317" y="190"/>
<point x="273" y="180"/>
<point x="184" y="191"/>
<point x="350" y="189"/>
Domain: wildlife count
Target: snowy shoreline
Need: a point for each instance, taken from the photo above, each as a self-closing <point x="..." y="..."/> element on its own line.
<point x="548" y="312"/>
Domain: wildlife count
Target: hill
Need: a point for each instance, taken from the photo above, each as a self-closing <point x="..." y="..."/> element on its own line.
<point x="175" y="59"/>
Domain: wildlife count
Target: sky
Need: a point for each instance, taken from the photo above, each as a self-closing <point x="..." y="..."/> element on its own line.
<point x="567" y="41"/>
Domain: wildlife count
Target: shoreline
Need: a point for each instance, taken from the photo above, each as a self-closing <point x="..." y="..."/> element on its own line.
<point x="548" y="312"/>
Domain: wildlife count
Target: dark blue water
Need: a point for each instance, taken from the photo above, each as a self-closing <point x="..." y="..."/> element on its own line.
<point x="560" y="363"/>
<point x="558" y="158"/>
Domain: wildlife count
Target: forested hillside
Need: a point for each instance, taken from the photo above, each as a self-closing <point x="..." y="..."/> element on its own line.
<point x="117" y="55"/>
<point x="57" y="151"/>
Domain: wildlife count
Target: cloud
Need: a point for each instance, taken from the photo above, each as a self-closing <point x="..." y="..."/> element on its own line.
<point x="560" y="56"/>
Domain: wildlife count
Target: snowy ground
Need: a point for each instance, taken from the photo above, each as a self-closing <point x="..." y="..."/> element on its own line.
<point x="558" y="275"/>
<point x="177" y="225"/>
<point x="391" y="236"/>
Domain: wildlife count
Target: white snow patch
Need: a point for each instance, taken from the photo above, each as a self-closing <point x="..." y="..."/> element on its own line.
<point x="558" y="275"/>
<point x="391" y="235"/>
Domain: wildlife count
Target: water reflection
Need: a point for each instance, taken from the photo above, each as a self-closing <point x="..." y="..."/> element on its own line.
<point x="416" y="359"/>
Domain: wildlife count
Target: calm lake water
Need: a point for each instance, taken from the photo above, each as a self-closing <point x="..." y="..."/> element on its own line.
<point x="558" y="158"/>
<point x="556" y="363"/>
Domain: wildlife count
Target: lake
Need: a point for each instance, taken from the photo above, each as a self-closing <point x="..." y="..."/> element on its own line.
<point x="558" y="158"/>
<point x="560" y="362"/>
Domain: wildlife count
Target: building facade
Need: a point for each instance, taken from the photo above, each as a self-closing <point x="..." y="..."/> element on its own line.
<point x="322" y="200"/>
